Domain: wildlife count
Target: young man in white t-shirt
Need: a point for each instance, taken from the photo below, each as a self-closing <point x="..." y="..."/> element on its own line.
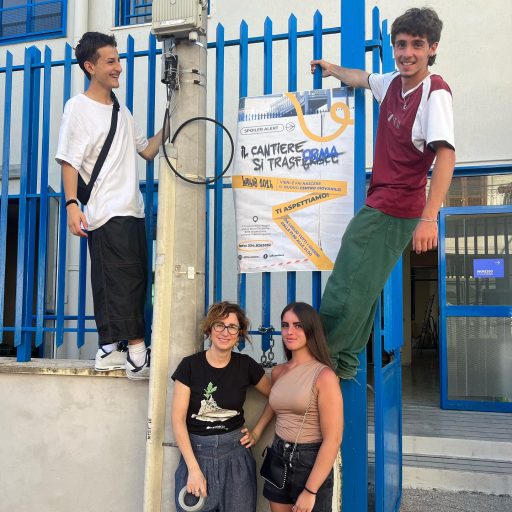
<point x="415" y="130"/>
<point x="113" y="220"/>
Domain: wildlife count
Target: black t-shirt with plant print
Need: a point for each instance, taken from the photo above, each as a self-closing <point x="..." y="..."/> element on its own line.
<point x="217" y="395"/>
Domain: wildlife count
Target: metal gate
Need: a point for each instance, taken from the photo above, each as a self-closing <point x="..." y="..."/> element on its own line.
<point x="257" y="293"/>
<point x="388" y="339"/>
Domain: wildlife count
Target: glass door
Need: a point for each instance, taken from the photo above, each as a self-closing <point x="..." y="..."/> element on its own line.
<point x="475" y="284"/>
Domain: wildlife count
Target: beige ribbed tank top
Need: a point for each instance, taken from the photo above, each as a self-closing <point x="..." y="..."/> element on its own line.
<point x="289" y="398"/>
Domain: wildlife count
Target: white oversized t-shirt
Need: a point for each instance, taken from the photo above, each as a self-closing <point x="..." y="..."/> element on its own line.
<point x="84" y="128"/>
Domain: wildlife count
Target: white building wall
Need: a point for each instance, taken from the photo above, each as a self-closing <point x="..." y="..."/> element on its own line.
<point x="473" y="57"/>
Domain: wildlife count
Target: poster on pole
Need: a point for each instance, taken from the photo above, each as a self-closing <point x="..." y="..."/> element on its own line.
<point x="293" y="179"/>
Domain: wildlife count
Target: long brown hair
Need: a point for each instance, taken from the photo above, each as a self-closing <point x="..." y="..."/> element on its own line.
<point x="313" y="329"/>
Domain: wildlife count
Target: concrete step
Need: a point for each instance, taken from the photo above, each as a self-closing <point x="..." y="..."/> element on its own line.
<point x="489" y="476"/>
<point x="455" y="464"/>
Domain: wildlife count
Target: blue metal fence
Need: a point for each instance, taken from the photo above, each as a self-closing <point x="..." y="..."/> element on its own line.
<point x="37" y="166"/>
<point x="42" y="93"/>
<point x="355" y="480"/>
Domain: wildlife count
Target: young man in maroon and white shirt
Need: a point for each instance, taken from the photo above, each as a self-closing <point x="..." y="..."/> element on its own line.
<point x="415" y="129"/>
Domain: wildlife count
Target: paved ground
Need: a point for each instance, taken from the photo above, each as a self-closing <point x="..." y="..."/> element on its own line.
<point x="441" y="501"/>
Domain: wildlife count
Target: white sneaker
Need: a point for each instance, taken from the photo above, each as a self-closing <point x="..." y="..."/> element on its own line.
<point x="138" y="372"/>
<point x="107" y="361"/>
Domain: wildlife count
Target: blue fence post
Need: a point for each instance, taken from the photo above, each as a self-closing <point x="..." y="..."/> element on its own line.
<point x="150" y="183"/>
<point x="129" y="70"/>
<point x="266" y="278"/>
<point x="82" y="254"/>
<point x="376" y="63"/>
<point x="243" y="80"/>
<point x="291" y="277"/>
<point x="316" y="276"/>
<point x="219" y="164"/>
<point x="4" y="200"/>
<point x="27" y="205"/>
<point x="63" y="228"/>
<point x="355" y="438"/>
<point x="33" y="200"/>
<point x="43" y="210"/>
<point x="388" y="62"/>
<point x="377" y="328"/>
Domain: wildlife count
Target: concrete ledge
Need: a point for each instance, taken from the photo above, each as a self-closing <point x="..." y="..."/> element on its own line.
<point x="69" y="367"/>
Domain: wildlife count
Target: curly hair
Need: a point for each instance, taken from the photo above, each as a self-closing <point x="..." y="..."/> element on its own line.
<point x="88" y="46"/>
<point x="221" y="310"/>
<point x="422" y="22"/>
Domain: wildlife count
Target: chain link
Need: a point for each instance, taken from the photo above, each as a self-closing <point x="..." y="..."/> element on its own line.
<point x="267" y="359"/>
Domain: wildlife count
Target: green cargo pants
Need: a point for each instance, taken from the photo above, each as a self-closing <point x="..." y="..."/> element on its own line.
<point x="370" y="248"/>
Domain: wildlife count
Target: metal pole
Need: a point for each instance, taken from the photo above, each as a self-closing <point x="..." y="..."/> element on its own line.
<point x="179" y="275"/>
<point x="355" y="435"/>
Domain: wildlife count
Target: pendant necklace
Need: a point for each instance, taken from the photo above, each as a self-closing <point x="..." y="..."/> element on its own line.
<point x="405" y="99"/>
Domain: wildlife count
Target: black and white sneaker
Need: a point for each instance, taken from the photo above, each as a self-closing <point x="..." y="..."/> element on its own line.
<point x="107" y="361"/>
<point x="138" y="372"/>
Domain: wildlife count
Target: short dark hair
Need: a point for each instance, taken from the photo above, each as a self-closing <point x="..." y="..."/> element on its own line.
<point x="422" y="22"/>
<point x="221" y="310"/>
<point x="313" y="330"/>
<point x="88" y="46"/>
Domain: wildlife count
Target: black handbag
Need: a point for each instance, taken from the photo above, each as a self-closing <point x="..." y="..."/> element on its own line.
<point x="83" y="192"/>
<point x="274" y="468"/>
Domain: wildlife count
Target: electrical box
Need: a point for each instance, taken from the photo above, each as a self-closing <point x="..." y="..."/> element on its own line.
<point x="176" y="18"/>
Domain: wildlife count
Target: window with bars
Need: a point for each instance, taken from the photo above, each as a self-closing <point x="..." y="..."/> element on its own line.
<point x="22" y="20"/>
<point x="133" y="12"/>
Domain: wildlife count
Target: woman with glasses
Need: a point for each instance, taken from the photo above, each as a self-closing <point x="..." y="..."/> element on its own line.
<point x="208" y="416"/>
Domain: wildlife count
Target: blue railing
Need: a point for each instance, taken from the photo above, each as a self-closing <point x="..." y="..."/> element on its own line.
<point x="43" y="95"/>
<point x="41" y="268"/>
<point x="33" y="20"/>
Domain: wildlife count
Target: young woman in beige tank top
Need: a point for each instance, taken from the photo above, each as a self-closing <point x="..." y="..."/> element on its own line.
<point x="305" y="379"/>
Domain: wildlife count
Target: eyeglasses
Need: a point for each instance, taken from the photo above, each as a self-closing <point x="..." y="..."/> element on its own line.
<point x="232" y="329"/>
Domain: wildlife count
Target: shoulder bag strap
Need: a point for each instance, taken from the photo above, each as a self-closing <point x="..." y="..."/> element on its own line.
<point x="108" y="142"/>
<point x="317" y="373"/>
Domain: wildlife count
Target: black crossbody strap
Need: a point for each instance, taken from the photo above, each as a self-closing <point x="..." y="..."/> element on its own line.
<point x="108" y="142"/>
